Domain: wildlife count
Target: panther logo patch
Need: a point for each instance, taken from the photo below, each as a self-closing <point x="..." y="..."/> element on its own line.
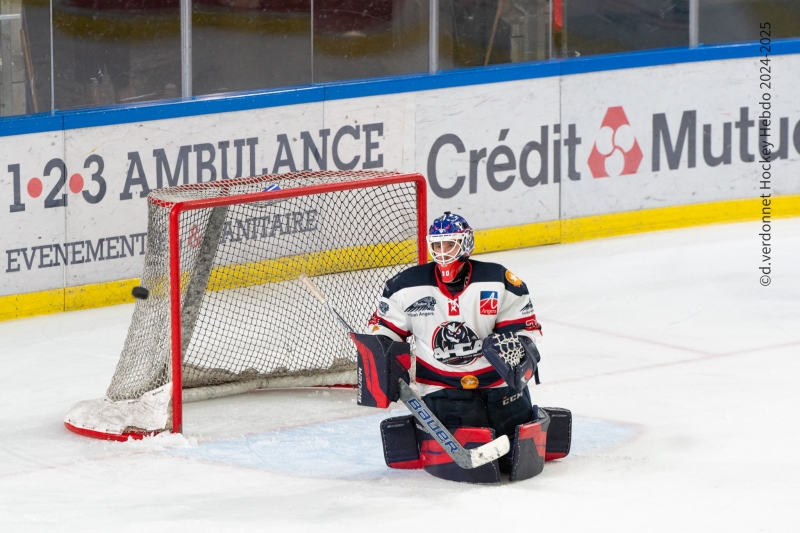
<point x="456" y="344"/>
<point x="383" y="308"/>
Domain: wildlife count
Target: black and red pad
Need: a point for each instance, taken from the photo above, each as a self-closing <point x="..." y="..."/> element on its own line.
<point x="437" y="463"/>
<point x="381" y="363"/>
<point x="559" y="435"/>
<point x="400" y="448"/>
<point x="530" y="443"/>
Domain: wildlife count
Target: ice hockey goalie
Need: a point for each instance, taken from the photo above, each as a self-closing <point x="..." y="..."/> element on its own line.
<point x="476" y="337"/>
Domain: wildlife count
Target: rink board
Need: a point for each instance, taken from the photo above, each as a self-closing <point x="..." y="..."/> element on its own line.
<point x="534" y="161"/>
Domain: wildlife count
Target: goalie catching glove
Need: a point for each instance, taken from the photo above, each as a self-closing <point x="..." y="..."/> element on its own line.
<point x="514" y="357"/>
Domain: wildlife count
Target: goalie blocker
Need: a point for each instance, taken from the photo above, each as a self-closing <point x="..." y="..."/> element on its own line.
<point x="381" y="363"/>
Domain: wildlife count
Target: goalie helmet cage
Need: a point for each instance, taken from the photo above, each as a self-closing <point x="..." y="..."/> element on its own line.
<point x="226" y="312"/>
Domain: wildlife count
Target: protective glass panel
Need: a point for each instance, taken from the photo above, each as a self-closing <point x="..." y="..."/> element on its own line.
<point x="115" y="51"/>
<point x="24" y="57"/>
<point x="475" y="33"/>
<point x="587" y="27"/>
<point x="724" y="21"/>
<point x="242" y="45"/>
<point x="369" y="38"/>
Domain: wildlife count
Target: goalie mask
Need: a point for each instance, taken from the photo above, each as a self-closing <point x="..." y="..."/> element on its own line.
<point x="450" y="242"/>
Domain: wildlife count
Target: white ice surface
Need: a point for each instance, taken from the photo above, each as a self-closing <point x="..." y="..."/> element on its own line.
<point x="680" y="369"/>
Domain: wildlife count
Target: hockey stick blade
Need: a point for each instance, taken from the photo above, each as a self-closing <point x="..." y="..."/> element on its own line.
<point x="461" y="456"/>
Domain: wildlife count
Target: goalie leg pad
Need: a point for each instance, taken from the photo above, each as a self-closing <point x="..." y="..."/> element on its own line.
<point x="437" y="463"/>
<point x="381" y="363"/>
<point x="400" y="448"/>
<point x="530" y="443"/>
<point x="559" y="436"/>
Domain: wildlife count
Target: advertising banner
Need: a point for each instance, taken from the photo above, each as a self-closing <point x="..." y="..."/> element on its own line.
<point x="33" y="180"/>
<point x="680" y="134"/>
<point x="78" y="209"/>
<point x="493" y="152"/>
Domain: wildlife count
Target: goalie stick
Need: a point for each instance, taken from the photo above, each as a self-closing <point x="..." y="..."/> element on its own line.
<point x="461" y="456"/>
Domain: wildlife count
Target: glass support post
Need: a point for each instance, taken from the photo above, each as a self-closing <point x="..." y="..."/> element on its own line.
<point x="550" y="31"/>
<point x="52" y="66"/>
<point x="433" y="37"/>
<point x="312" y="41"/>
<point x="694" y="23"/>
<point x="186" y="48"/>
<point x="6" y="48"/>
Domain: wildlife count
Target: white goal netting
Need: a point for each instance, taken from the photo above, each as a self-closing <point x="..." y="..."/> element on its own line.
<point x="245" y="317"/>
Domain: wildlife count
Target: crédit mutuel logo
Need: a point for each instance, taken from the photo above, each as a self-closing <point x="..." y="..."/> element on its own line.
<point x="616" y="151"/>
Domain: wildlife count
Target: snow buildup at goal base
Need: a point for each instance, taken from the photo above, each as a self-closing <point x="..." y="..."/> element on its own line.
<point x="246" y="321"/>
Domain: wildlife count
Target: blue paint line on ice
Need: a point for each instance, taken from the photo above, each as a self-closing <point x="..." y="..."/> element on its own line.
<point x="345" y="449"/>
<point x="352" y="449"/>
<point x="592" y="435"/>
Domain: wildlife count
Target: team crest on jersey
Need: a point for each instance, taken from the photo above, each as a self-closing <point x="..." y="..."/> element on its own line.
<point x="512" y="279"/>
<point x="422" y="307"/>
<point x="488" y="304"/>
<point x="528" y="309"/>
<point x="383" y="308"/>
<point x="456" y="344"/>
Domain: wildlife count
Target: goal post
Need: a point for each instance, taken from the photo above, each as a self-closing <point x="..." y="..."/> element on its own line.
<point x="226" y="313"/>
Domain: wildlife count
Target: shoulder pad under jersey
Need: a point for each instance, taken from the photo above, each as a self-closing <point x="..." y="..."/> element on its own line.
<point x="494" y="272"/>
<point x="415" y="276"/>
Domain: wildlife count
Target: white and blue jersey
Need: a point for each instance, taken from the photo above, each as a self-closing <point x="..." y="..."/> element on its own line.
<point x="449" y="329"/>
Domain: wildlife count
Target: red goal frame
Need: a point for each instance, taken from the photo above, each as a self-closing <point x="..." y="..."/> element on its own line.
<point x="174" y="252"/>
